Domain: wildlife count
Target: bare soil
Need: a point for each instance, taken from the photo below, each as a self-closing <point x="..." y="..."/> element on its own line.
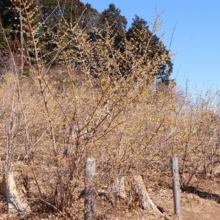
<point x="201" y="201"/>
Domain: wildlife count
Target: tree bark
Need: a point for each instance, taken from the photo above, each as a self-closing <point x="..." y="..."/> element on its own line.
<point x="144" y="198"/>
<point x="14" y="192"/>
<point x="117" y="189"/>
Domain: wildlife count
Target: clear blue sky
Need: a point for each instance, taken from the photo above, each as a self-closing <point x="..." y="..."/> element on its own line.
<point x="196" y="37"/>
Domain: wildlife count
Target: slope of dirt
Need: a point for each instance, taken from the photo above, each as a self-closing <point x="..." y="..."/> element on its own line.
<point x="193" y="208"/>
<point x="200" y="202"/>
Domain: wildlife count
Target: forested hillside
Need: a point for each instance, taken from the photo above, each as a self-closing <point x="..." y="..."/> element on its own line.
<point x="49" y="28"/>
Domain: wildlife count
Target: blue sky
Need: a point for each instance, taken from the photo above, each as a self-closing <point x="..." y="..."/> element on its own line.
<point x="196" y="38"/>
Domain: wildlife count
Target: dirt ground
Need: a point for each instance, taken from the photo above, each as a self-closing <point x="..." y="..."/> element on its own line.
<point x="201" y="201"/>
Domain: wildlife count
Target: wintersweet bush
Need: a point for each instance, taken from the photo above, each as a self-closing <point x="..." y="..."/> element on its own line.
<point x="110" y="109"/>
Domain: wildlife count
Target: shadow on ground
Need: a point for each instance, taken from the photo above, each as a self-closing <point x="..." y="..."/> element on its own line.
<point x="201" y="194"/>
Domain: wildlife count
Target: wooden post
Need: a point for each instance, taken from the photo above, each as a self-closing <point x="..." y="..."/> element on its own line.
<point x="90" y="194"/>
<point x="176" y="186"/>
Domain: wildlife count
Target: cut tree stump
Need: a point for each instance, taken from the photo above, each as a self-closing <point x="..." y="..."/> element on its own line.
<point x="117" y="189"/>
<point x="144" y="198"/>
<point x="14" y="192"/>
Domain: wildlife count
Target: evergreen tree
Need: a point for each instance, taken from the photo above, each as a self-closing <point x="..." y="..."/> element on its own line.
<point x="54" y="11"/>
<point x="145" y="41"/>
<point x="59" y="17"/>
<point x="6" y="19"/>
<point x="16" y="13"/>
<point x="115" y="20"/>
<point x="90" y="19"/>
<point x="71" y="10"/>
<point x="56" y="27"/>
<point x="6" y="15"/>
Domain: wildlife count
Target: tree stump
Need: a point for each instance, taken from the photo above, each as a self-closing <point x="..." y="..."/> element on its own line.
<point x="14" y="192"/>
<point x="144" y="198"/>
<point x="117" y="188"/>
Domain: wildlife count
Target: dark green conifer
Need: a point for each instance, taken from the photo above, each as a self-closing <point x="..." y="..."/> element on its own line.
<point x="145" y="41"/>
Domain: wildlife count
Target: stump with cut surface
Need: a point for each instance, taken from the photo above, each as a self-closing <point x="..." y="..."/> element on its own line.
<point x="117" y="189"/>
<point x="14" y="192"/>
<point x="144" y="198"/>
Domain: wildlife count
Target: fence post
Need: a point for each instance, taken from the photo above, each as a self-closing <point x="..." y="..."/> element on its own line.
<point x="176" y="186"/>
<point x="90" y="194"/>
